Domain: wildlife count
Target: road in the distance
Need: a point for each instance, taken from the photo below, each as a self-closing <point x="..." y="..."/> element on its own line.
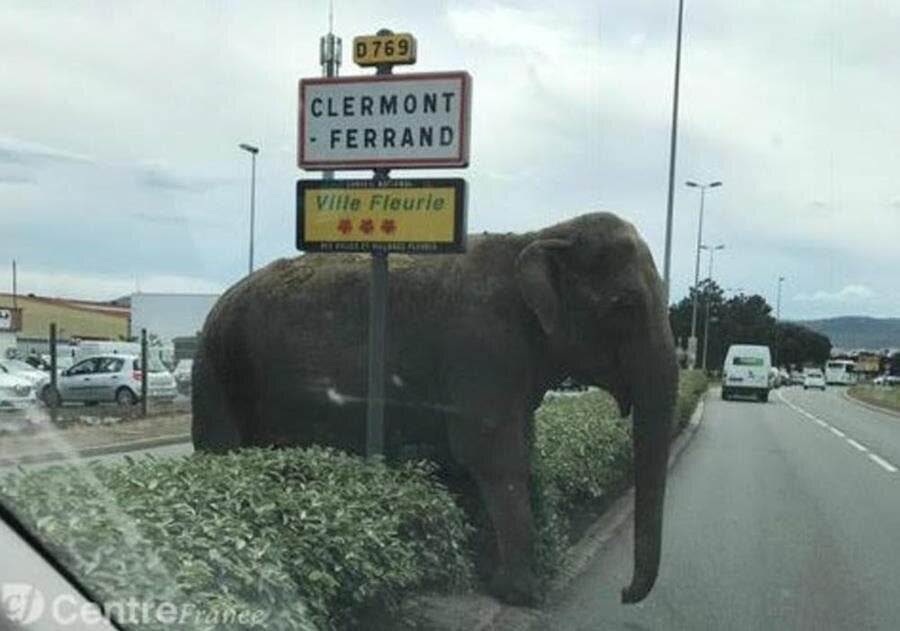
<point x="774" y="520"/>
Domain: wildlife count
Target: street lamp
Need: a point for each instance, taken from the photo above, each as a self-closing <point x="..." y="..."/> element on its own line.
<point x="778" y="320"/>
<point x="673" y="137"/>
<point x="712" y="250"/>
<point x="778" y="302"/>
<point x="253" y="151"/>
<point x="692" y="343"/>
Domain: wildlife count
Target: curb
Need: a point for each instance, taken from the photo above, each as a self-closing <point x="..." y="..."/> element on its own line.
<point x="88" y="452"/>
<point x="613" y="519"/>
<point x="872" y="406"/>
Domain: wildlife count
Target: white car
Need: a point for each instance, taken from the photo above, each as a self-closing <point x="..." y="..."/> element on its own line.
<point x="182" y="374"/>
<point x="813" y="379"/>
<point x="111" y="378"/>
<point x="16" y="393"/>
<point x="18" y="368"/>
<point x="886" y="380"/>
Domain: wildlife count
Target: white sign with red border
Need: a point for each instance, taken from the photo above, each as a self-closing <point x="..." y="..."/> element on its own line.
<point x="416" y="120"/>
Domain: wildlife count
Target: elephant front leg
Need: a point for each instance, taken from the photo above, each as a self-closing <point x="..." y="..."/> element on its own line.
<point x="498" y="461"/>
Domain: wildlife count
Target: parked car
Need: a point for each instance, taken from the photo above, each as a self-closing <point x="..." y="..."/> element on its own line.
<point x="16" y="393"/>
<point x="111" y="378"/>
<point x="182" y="374"/>
<point x="38" y="378"/>
<point x="886" y="380"/>
<point x="813" y="378"/>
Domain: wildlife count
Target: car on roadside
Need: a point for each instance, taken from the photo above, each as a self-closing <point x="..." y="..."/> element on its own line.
<point x="182" y="374"/>
<point x="38" y="378"/>
<point x="17" y="394"/>
<point x="814" y="378"/>
<point x="111" y="378"/>
<point x="886" y="380"/>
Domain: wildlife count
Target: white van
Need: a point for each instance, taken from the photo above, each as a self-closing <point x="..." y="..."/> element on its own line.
<point x="746" y="371"/>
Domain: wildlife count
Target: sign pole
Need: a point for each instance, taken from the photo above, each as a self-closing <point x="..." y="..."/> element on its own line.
<point x="378" y="290"/>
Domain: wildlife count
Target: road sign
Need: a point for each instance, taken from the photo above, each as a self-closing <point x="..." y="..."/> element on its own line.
<point x="410" y="215"/>
<point x="373" y="50"/>
<point x="385" y="121"/>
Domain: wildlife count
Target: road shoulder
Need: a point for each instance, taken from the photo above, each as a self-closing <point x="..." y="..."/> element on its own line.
<point x="871" y="406"/>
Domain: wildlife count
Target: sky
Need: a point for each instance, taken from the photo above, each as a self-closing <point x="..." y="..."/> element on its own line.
<point x="120" y="123"/>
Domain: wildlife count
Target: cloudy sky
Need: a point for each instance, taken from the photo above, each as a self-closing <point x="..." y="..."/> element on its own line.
<point x="119" y="126"/>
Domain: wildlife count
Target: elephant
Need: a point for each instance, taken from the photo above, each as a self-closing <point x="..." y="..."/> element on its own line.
<point x="474" y="341"/>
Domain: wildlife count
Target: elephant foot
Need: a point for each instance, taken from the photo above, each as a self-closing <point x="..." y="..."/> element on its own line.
<point x="516" y="587"/>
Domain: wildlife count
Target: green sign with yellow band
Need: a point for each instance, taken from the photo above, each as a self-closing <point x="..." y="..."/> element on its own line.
<point x="421" y="215"/>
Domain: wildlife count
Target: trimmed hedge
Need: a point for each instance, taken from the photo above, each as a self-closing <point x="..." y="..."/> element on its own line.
<point x="310" y="536"/>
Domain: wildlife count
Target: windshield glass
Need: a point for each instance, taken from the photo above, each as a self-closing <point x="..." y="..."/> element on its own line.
<point x="462" y="314"/>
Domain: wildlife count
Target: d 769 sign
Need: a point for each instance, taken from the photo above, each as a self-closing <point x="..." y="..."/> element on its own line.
<point x="371" y="50"/>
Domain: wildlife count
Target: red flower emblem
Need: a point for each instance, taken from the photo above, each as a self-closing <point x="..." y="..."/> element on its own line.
<point x="367" y="226"/>
<point x="388" y="226"/>
<point x="345" y="226"/>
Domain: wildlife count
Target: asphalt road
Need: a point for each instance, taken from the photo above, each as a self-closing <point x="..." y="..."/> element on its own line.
<point x="783" y="515"/>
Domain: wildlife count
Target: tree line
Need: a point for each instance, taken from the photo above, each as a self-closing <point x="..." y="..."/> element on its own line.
<point x="744" y="319"/>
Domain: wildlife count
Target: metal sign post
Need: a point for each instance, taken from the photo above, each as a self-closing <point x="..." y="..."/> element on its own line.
<point x="415" y="120"/>
<point x="145" y="373"/>
<point x="378" y="290"/>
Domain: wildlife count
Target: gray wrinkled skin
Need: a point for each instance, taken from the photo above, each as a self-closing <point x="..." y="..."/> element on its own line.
<point x="474" y="341"/>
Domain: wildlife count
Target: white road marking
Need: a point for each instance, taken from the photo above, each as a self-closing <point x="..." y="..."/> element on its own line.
<point x="887" y="466"/>
<point x="881" y="462"/>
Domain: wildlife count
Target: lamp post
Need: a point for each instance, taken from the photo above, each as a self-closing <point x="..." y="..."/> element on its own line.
<point x="712" y="251"/>
<point x="778" y="301"/>
<point x="253" y="151"/>
<point x="778" y="320"/>
<point x="692" y="343"/>
<point x="673" y="138"/>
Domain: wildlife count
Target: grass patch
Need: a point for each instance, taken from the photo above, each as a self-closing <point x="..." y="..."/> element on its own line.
<point x="884" y="396"/>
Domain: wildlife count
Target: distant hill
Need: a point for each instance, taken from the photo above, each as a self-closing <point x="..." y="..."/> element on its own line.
<point x="852" y="332"/>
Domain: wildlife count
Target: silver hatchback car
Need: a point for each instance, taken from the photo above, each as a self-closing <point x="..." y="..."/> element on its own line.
<point x="111" y="378"/>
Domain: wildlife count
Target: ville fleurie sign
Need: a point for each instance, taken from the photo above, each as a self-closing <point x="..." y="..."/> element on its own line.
<point x="385" y="121"/>
<point x="421" y="215"/>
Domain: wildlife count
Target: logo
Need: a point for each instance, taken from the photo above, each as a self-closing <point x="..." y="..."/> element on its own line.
<point x="22" y="602"/>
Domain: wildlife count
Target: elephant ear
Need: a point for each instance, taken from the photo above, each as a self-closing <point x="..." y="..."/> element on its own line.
<point x="534" y="273"/>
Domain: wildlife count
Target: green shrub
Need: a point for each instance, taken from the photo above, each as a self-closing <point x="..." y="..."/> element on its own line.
<point x="582" y="454"/>
<point x="310" y="536"/>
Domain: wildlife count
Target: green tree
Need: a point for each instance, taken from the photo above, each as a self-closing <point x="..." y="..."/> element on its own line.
<point x="743" y="319"/>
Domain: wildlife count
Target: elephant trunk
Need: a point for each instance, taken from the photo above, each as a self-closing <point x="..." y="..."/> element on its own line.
<point x="654" y="391"/>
